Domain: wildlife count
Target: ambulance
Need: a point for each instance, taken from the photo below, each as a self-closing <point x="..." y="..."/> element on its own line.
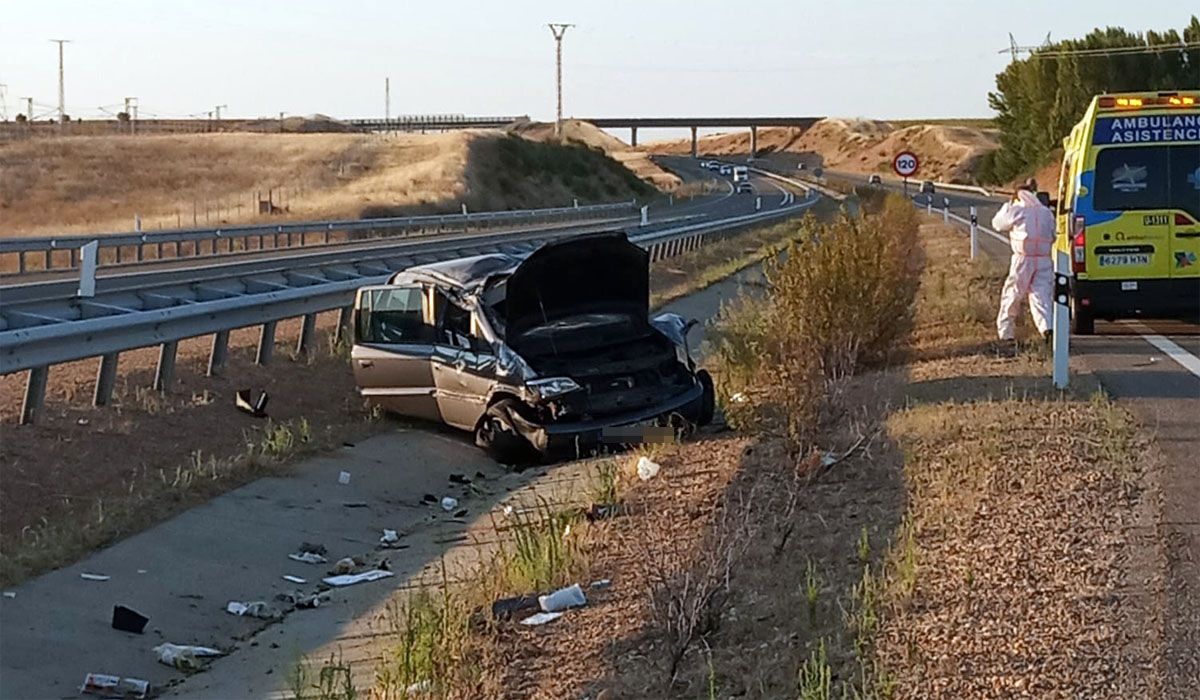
<point x="1129" y="208"/>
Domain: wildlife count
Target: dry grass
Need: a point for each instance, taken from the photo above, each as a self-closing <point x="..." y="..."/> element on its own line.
<point x="99" y="183"/>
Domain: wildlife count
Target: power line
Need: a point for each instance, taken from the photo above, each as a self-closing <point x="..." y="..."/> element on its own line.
<point x="1045" y="50"/>
<point x="558" y="30"/>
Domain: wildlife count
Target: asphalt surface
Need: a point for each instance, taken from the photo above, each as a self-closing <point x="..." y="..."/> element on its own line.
<point x="182" y="573"/>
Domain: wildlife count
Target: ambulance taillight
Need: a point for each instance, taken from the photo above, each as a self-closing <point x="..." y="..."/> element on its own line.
<point x="1079" y="245"/>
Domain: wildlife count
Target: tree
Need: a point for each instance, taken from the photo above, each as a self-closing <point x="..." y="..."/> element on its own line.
<point x="1038" y="99"/>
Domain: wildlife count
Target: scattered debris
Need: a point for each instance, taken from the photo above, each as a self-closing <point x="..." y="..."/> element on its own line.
<point x="828" y="459"/>
<point x="128" y="620"/>
<point x="344" y="477"/>
<point x="419" y="687"/>
<point x="563" y="599"/>
<point x="114" y="686"/>
<point x="429" y="498"/>
<point x="345" y="565"/>
<point x="1149" y="361"/>
<point x="541" y="618"/>
<point x="82" y="421"/>
<point x="449" y="503"/>
<point x="94" y="577"/>
<point x="184" y="657"/>
<point x="460" y="479"/>
<point x="260" y="609"/>
<point x="355" y="504"/>
<point x="308" y="558"/>
<point x="602" y="583"/>
<point x="296" y="599"/>
<point x="739" y="397"/>
<point x="507" y="608"/>
<point x="389" y="537"/>
<point x="351" y="579"/>
<point x="10" y="594"/>
<point x="508" y="510"/>
<point x="461" y="513"/>
<point x="647" y="469"/>
<point x="294" y="579"/>
<point x="258" y="409"/>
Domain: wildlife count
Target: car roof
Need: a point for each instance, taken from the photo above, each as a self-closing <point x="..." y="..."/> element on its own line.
<point x="463" y="273"/>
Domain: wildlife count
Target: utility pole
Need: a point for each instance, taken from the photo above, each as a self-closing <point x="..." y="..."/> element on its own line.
<point x="3" y="102"/>
<point x="62" y="100"/>
<point x="218" y="109"/>
<point x="558" y="30"/>
<point x="387" y="100"/>
<point x="28" y="109"/>
<point x="131" y="113"/>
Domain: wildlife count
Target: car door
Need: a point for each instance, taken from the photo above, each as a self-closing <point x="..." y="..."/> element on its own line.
<point x="393" y="347"/>
<point x="463" y="365"/>
<point x="1185" y="219"/>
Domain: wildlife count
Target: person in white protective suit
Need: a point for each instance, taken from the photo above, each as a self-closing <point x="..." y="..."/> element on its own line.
<point x="1030" y="228"/>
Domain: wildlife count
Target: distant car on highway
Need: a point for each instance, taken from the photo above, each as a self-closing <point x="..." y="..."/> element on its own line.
<point x="874" y="180"/>
<point x="725" y="169"/>
<point x="927" y="187"/>
<point x="740" y="173"/>
<point x="745" y="187"/>
<point x="551" y="353"/>
<point x="714" y="165"/>
<point x="704" y="164"/>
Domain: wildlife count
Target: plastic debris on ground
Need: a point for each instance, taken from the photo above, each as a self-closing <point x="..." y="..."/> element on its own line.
<point x="541" y="618"/>
<point x="739" y="397"/>
<point x="308" y="558"/>
<point x="351" y="579"/>
<point x="344" y="478"/>
<point x="259" y="609"/>
<point x="184" y="657"/>
<point x="94" y="577"/>
<point x="647" y="469"/>
<point x="107" y="686"/>
<point x="449" y="503"/>
<point x="246" y="403"/>
<point x="507" y="608"/>
<point x="828" y="459"/>
<point x="602" y="583"/>
<point x="563" y="599"/>
<point x="293" y="579"/>
<point x="460" y="479"/>
<point x="389" y="537"/>
<point x="10" y="594"/>
<point x="128" y="620"/>
<point x="296" y="599"/>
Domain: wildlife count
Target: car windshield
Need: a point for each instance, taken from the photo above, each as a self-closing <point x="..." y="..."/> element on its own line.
<point x="1148" y="177"/>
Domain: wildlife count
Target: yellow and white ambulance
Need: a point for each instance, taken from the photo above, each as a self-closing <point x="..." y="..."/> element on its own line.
<point x="1129" y="208"/>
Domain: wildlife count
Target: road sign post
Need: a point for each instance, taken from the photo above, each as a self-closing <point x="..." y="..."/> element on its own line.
<point x="974" y="233"/>
<point x="1061" y="319"/>
<point x="928" y="204"/>
<point x="906" y="164"/>
<point x="945" y="210"/>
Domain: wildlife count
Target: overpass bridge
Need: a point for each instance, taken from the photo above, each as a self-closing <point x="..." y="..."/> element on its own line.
<point x="694" y="123"/>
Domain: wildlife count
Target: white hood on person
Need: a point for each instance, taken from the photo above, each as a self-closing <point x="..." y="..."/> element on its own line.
<point x="1030" y="228"/>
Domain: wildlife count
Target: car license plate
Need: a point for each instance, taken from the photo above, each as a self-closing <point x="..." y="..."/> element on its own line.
<point x="1131" y="260"/>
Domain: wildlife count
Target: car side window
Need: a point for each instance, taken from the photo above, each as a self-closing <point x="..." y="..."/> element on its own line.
<point x="393" y="316"/>
<point x="454" y="326"/>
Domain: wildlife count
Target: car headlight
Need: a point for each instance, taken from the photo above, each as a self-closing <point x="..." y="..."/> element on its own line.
<point x="552" y="386"/>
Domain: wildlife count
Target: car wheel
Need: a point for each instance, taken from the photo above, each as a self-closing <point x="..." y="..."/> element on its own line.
<point x="708" y="401"/>
<point x="1082" y="321"/>
<point x="498" y="437"/>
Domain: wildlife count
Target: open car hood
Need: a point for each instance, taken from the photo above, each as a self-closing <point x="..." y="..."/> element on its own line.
<point x="600" y="273"/>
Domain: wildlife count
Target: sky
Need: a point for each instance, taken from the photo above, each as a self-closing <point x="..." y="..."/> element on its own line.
<point x="861" y="58"/>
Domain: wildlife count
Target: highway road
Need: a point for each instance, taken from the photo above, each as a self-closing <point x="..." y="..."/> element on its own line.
<point x="182" y="573"/>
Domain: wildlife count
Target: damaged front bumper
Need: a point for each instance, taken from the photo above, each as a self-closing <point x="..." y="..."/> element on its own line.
<point x="580" y="436"/>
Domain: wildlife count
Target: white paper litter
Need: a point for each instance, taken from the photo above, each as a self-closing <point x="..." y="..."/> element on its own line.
<point x="10" y="594"/>
<point x="94" y="577"/>
<point x="108" y="686"/>
<point x="389" y="537"/>
<point x="182" y="656"/>
<point x="308" y="558"/>
<point x="449" y="503"/>
<point x="647" y="469"/>
<point x="344" y="478"/>
<point x="570" y="597"/>
<point x="351" y="579"/>
<point x="293" y="579"/>
<point x="541" y="618"/>
<point x="738" y="398"/>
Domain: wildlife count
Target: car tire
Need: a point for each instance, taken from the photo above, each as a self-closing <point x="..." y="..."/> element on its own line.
<point x="708" y="401"/>
<point x="499" y="438"/>
<point x="1083" y="322"/>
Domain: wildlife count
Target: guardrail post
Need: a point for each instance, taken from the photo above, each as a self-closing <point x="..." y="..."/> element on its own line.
<point x="974" y="233"/>
<point x="165" y="371"/>
<point x="49" y="258"/>
<point x="308" y="329"/>
<point x="945" y="210"/>
<point x="345" y="314"/>
<point x="106" y="376"/>
<point x="218" y="354"/>
<point x="758" y="203"/>
<point x="928" y="204"/>
<point x="35" y="394"/>
<point x="645" y="216"/>
<point x="90" y="254"/>
<point x="1061" y="320"/>
<point x="21" y="262"/>
<point x="266" y="343"/>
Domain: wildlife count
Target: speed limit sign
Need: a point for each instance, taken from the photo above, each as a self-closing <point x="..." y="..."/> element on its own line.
<point x="905" y="164"/>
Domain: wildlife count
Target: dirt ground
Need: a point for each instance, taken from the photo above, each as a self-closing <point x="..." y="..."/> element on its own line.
<point x="947" y="152"/>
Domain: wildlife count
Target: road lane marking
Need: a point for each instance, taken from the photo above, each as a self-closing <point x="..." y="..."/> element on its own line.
<point x="1170" y="348"/>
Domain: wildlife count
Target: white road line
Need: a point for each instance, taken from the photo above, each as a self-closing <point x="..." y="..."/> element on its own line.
<point x="1170" y="348"/>
<point x="782" y="191"/>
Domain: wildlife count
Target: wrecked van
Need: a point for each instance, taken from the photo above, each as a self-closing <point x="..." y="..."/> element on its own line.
<point x="550" y="353"/>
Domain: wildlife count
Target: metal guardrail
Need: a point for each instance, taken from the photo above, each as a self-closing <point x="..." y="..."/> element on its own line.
<point x="282" y="235"/>
<point x="35" y="348"/>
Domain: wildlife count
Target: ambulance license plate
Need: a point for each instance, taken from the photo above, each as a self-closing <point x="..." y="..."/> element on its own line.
<point x="1129" y="260"/>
